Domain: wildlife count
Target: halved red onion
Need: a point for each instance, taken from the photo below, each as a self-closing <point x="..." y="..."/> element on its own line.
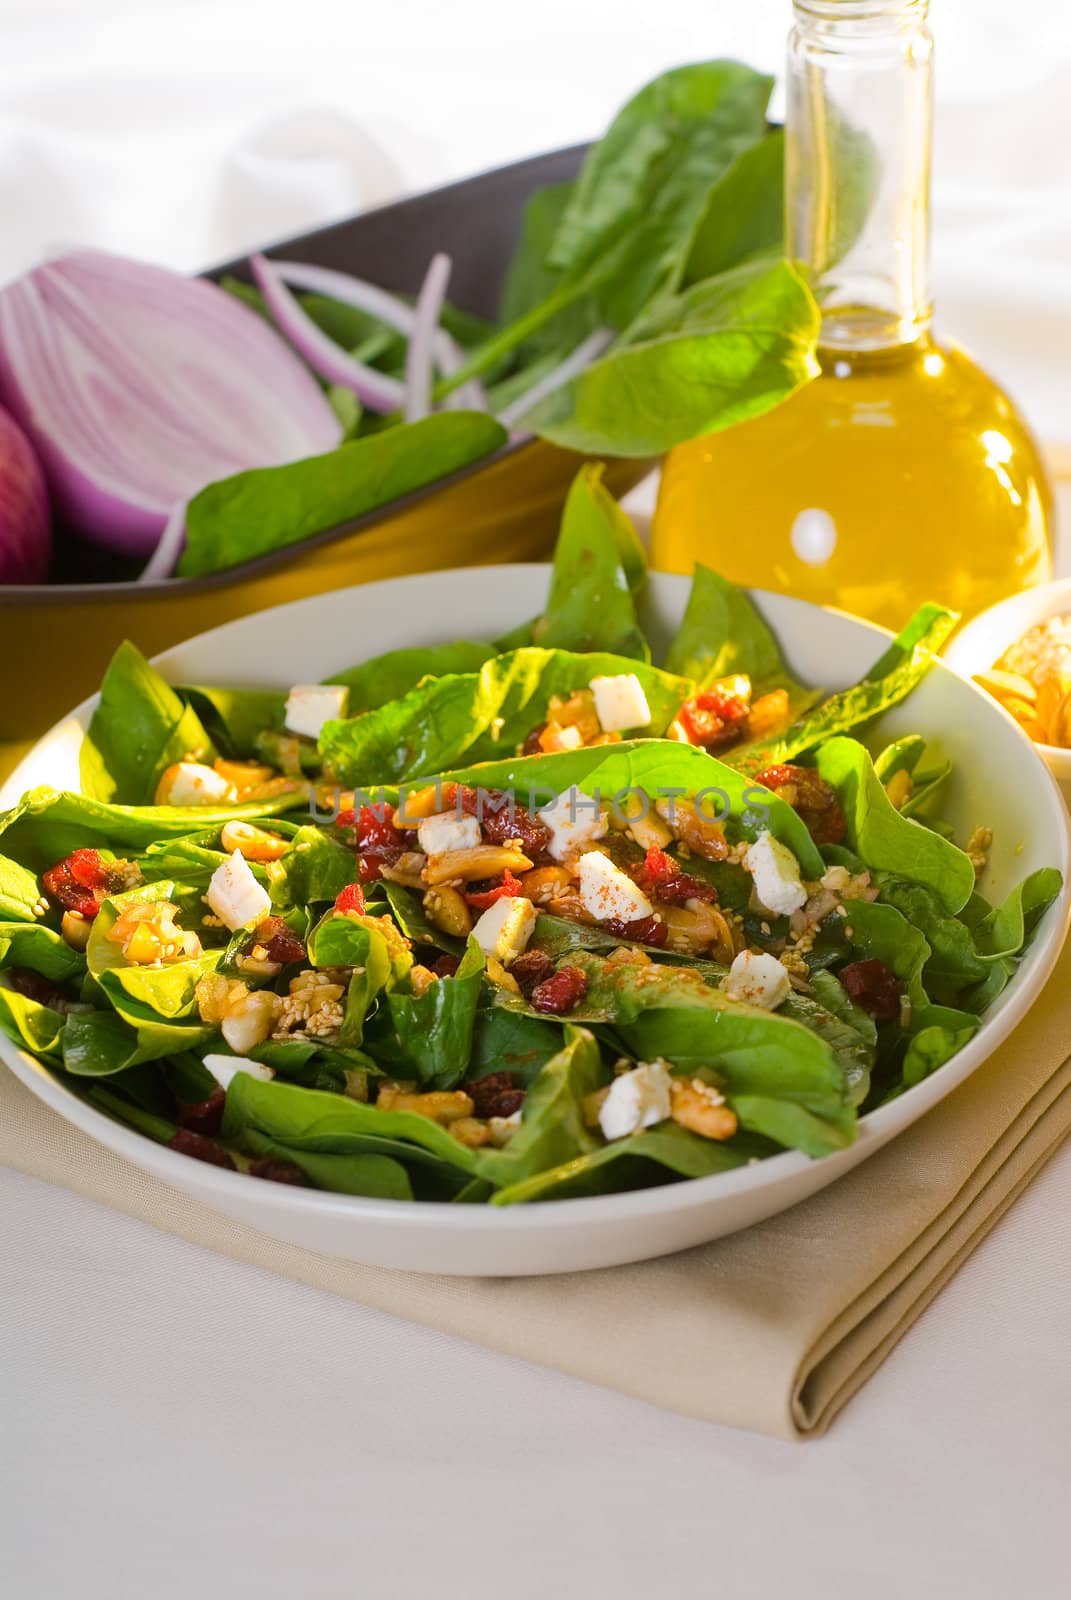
<point x="419" y="356"/>
<point x="374" y="389"/>
<point x="389" y="308"/>
<point x="138" y="386"/>
<point x="25" y="522"/>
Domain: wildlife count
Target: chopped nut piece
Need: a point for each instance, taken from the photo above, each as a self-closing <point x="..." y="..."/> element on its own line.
<point x="701" y="1108"/>
<point x="438" y="1105"/>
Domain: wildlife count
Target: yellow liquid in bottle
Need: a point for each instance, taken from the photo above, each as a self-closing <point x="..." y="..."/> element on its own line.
<point x="895" y="477"/>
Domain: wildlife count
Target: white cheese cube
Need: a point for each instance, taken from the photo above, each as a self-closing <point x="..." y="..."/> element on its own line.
<point x="447" y="831"/>
<point x="503" y="1129"/>
<point x="775" y="873"/>
<point x="235" y="895"/>
<point x="574" y="821"/>
<point x="504" y="929"/>
<point x="224" y="1068"/>
<point x="190" y="784"/>
<point x="310" y="705"/>
<point x="637" y="1099"/>
<point x="758" y="980"/>
<point x="607" y="893"/>
<point x="620" y="702"/>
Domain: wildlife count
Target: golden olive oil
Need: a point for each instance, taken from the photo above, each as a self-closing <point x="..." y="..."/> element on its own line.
<point x="897" y="476"/>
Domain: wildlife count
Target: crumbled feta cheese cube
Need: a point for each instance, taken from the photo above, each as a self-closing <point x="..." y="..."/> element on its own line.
<point x="223" y="1069"/>
<point x="310" y="705"/>
<point x="574" y="821"/>
<point x="607" y="893"/>
<point x="775" y="873"/>
<point x="447" y="831"/>
<point x="505" y="928"/>
<point x="191" y="784"/>
<point x="235" y="895"/>
<point x="620" y="702"/>
<point x="637" y="1099"/>
<point x="503" y="1128"/>
<point x="758" y="980"/>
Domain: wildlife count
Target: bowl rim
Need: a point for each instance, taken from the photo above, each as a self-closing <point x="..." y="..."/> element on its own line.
<point x="13" y="596"/>
<point x="686" y="1196"/>
<point x="965" y="657"/>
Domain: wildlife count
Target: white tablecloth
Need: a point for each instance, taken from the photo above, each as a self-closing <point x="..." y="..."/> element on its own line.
<point x="177" y="1425"/>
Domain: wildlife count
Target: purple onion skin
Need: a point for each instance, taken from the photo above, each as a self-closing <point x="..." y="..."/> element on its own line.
<point x="25" y="519"/>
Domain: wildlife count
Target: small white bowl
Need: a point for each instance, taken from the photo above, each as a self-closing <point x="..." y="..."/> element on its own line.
<point x="984" y="639"/>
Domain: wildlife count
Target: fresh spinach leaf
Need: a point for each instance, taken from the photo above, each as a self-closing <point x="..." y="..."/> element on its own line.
<point x="430" y="1035"/>
<point x="24" y="944"/>
<point x="723" y="633"/>
<point x="552" y="1127"/>
<point x="591" y="605"/>
<point x="744" y="215"/>
<point x="268" y="508"/>
<point x="32" y="1026"/>
<point x="388" y="677"/>
<point x="20" y="893"/>
<point x="471" y="716"/>
<point x="655" y="1155"/>
<point x="235" y="718"/>
<point x="1006" y="929"/>
<point x="140" y="727"/>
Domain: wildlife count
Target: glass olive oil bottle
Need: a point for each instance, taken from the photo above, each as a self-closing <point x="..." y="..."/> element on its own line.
<point x="901" y="473"/>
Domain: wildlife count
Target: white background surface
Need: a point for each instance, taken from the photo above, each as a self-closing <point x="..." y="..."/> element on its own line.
<point x="175" y="1425"/>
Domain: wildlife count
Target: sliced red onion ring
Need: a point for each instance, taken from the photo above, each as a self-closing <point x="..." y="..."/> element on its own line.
<point x="164" y="559"/>
<point x="449" y="358"/>
<point x="418" y="357"/>
<point x="573" y="365"/>
<point x="374" y="389"/>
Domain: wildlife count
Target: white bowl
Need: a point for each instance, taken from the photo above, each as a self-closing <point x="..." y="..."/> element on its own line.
<point x="998" y="780"/>
<point x="985" y="638"/>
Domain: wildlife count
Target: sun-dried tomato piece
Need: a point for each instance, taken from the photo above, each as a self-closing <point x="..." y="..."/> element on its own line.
<point x="559" y="993"/>
<point x="530" y="969"/>
<point x="500" y="1094"/>
<point x="874" y="987"/>
<point x="188" y="1143"/>
<point x="507" y="888"/>
<point x="202" y="1116"/>
<point x="346" y="818"/>
<point x="351" y="898"/>
<point x="811" y="796"/>
<point x="445" y="966"/>
<point x="644" y="930"/>
<point x="276" y="1169"/>
<point x="714" y="717"/>
<point x="277" y="939"/>
<point x="78" y="883"/>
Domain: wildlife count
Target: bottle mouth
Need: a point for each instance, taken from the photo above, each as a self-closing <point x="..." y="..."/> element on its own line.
<point x="877" y="15"/>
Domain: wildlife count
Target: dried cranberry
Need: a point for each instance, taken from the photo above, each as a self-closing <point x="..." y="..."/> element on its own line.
<point x="811" y="796"/>
<point x="507" y="888"/>
<point x="874" y="987"/>
<point x="277" y="939"/>
<point x="202" y="1116"/>
<point x="351" y="898"/>
<point x="446" y="966"/>
<point x="188" y="1143"/>
<point x="500" y="1094"/>
<point x="644" y="930"/>
<point x="531" y="745"/>
<point x="31" y="984"/>
<point x="501" y="820"/>
<point x="378" y="841"/>
<point x="713" y="718"/>
<point x="661" y="876"/>
<point x="560" y="992"/>
<point x="278" y="1170"/>
<point x="531" y="968"/>
<point x="347" y="818"/>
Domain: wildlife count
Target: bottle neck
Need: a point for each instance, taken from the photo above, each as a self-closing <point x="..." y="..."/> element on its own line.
<point x="857" y="166"/>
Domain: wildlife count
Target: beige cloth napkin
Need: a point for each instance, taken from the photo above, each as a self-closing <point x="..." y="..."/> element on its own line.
<point x="773" y="1329"/>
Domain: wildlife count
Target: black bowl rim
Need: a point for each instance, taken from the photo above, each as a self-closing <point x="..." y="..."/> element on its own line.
<point x="15" y="595"/>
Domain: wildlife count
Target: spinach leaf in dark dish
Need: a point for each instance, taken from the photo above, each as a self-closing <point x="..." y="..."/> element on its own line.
<point x="253" y="513"/>
<point x="727" y="349"/>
